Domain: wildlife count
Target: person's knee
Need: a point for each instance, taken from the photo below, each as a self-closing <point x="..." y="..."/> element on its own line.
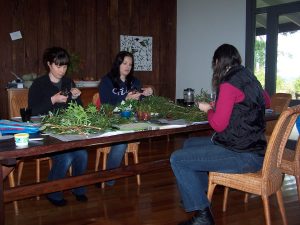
<point x="119" y="149"/>
<point x="175" y="156"/>
<point x="83" y="155"/>
<point x="80" y="154"/>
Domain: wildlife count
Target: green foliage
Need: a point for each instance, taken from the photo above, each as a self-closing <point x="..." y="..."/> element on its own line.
<point x="280" y="84"/>
<point x="203" y="96"/>
<point x="75" y="64"/>
<point x="260" y="75"/>
<point x="297" y="85"/>
<point x="259" y="53"/>
<point x="76" y="120"/>
<point x="168" y="109"/>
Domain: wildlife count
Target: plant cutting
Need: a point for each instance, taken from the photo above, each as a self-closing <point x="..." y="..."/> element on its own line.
<point x="143" y="111"/>
<point x="76" y="120"/>
<point x="124" y="106"/>
<point x="165" y="108"/>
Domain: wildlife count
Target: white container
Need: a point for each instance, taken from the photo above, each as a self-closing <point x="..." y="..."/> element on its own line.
<point x="21" y="139"/>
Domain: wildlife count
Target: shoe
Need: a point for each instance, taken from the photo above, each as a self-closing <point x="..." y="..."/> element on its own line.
<point x="202" y="217"/>
<point x="81" y="198"/>
<point x="61" y="202"/>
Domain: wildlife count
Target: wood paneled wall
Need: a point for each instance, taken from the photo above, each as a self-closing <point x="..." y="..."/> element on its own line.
<point x="91" y="29"/>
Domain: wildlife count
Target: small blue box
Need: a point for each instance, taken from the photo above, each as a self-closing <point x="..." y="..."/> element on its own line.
<point x="298" y="124"/>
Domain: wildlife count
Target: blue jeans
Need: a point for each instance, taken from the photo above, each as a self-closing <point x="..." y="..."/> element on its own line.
<point x="115" y="158"/>
<point x="60" y="165"/>
<point x="199" y="156"/>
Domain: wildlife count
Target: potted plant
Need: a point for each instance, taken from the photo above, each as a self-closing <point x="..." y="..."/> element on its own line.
<point x="126" y="107"/>
<point x="143" y="111"/>
<point x="75" y="66"/>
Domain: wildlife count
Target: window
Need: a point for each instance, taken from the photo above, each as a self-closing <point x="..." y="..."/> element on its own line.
<point x="272" y="30"/>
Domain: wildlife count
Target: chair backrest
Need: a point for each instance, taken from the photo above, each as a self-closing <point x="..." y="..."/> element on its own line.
<point x="151" y="86"/>
<point x="277" y="142"/>
<point x="16" y="103"/>
<point x="279" y="102"/>
<point x="96" y="100"/>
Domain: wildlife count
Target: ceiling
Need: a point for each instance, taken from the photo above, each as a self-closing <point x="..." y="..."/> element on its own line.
<point x="287" y="22"/>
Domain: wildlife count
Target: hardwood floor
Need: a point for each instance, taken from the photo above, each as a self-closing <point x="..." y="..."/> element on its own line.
<point x="155" y="202"/>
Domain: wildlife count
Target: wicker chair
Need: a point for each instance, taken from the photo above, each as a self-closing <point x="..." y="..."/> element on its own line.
<point x="279" y="103"/>
<point x="290" y="164"/>
<point x="132" y="148"/>
<point x="268" y="180"/>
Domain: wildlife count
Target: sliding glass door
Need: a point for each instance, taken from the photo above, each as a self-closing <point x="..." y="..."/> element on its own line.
<point x="274" y="35"/>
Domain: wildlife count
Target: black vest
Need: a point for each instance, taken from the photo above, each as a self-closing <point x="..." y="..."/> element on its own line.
<point x="245" y="132"/>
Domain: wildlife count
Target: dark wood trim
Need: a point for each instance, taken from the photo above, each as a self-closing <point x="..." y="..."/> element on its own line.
<point x="27" y="191"/>
<point x="250" y="34"/>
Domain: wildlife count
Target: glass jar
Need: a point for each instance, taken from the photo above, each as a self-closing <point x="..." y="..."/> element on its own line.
<point x="188" y="96"/>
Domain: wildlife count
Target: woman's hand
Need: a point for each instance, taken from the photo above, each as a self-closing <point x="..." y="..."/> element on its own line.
<point x="59" y="98"/>
<point x="133" y="95"/>
<point x="75" y="93"/>
<point x="204" y="106"/>
<point x="147" y="91"/>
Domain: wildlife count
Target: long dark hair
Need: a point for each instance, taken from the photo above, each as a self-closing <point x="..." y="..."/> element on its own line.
<point x="56" y="55"/>
<point x="225" y="57"/>
<point x="115" y="70"/>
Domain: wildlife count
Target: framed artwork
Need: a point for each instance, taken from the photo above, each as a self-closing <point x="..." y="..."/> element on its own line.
<point x="141" y="48"/>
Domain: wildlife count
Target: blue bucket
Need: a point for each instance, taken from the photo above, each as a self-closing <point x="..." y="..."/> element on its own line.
<point x="126" y="114"/>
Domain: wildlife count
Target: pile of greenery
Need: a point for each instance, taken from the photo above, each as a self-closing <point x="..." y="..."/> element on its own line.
<point x="78" y="120"/>
<point x="164" y="108"/>
<point x="203" y="96"/>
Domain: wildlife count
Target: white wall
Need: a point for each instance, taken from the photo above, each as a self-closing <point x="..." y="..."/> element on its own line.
<point x="202" y="26"/>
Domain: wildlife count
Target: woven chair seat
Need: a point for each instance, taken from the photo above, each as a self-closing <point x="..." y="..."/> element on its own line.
<point x="249" y="182"/>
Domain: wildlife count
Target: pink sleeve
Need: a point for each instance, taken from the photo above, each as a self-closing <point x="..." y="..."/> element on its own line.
<point x="267" y="99"/>
<point x="228" y="96"/>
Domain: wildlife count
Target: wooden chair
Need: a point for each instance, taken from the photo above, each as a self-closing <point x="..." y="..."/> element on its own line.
<point x="269" y="179"/>
<point x="151" y="86"/>
<point x="279" y="102"/>
<point x="19" y="100"/>
<point x="132" y="148"/>
<point x="11" y="181"/>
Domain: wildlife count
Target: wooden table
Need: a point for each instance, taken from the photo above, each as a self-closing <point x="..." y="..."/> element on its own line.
<point x="51" y="145"/>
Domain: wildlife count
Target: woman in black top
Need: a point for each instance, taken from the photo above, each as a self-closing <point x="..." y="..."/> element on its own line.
<point x="51" y="92"/>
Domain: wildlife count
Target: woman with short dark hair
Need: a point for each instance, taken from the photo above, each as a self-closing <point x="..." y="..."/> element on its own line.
<point x="51" y="92"/>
